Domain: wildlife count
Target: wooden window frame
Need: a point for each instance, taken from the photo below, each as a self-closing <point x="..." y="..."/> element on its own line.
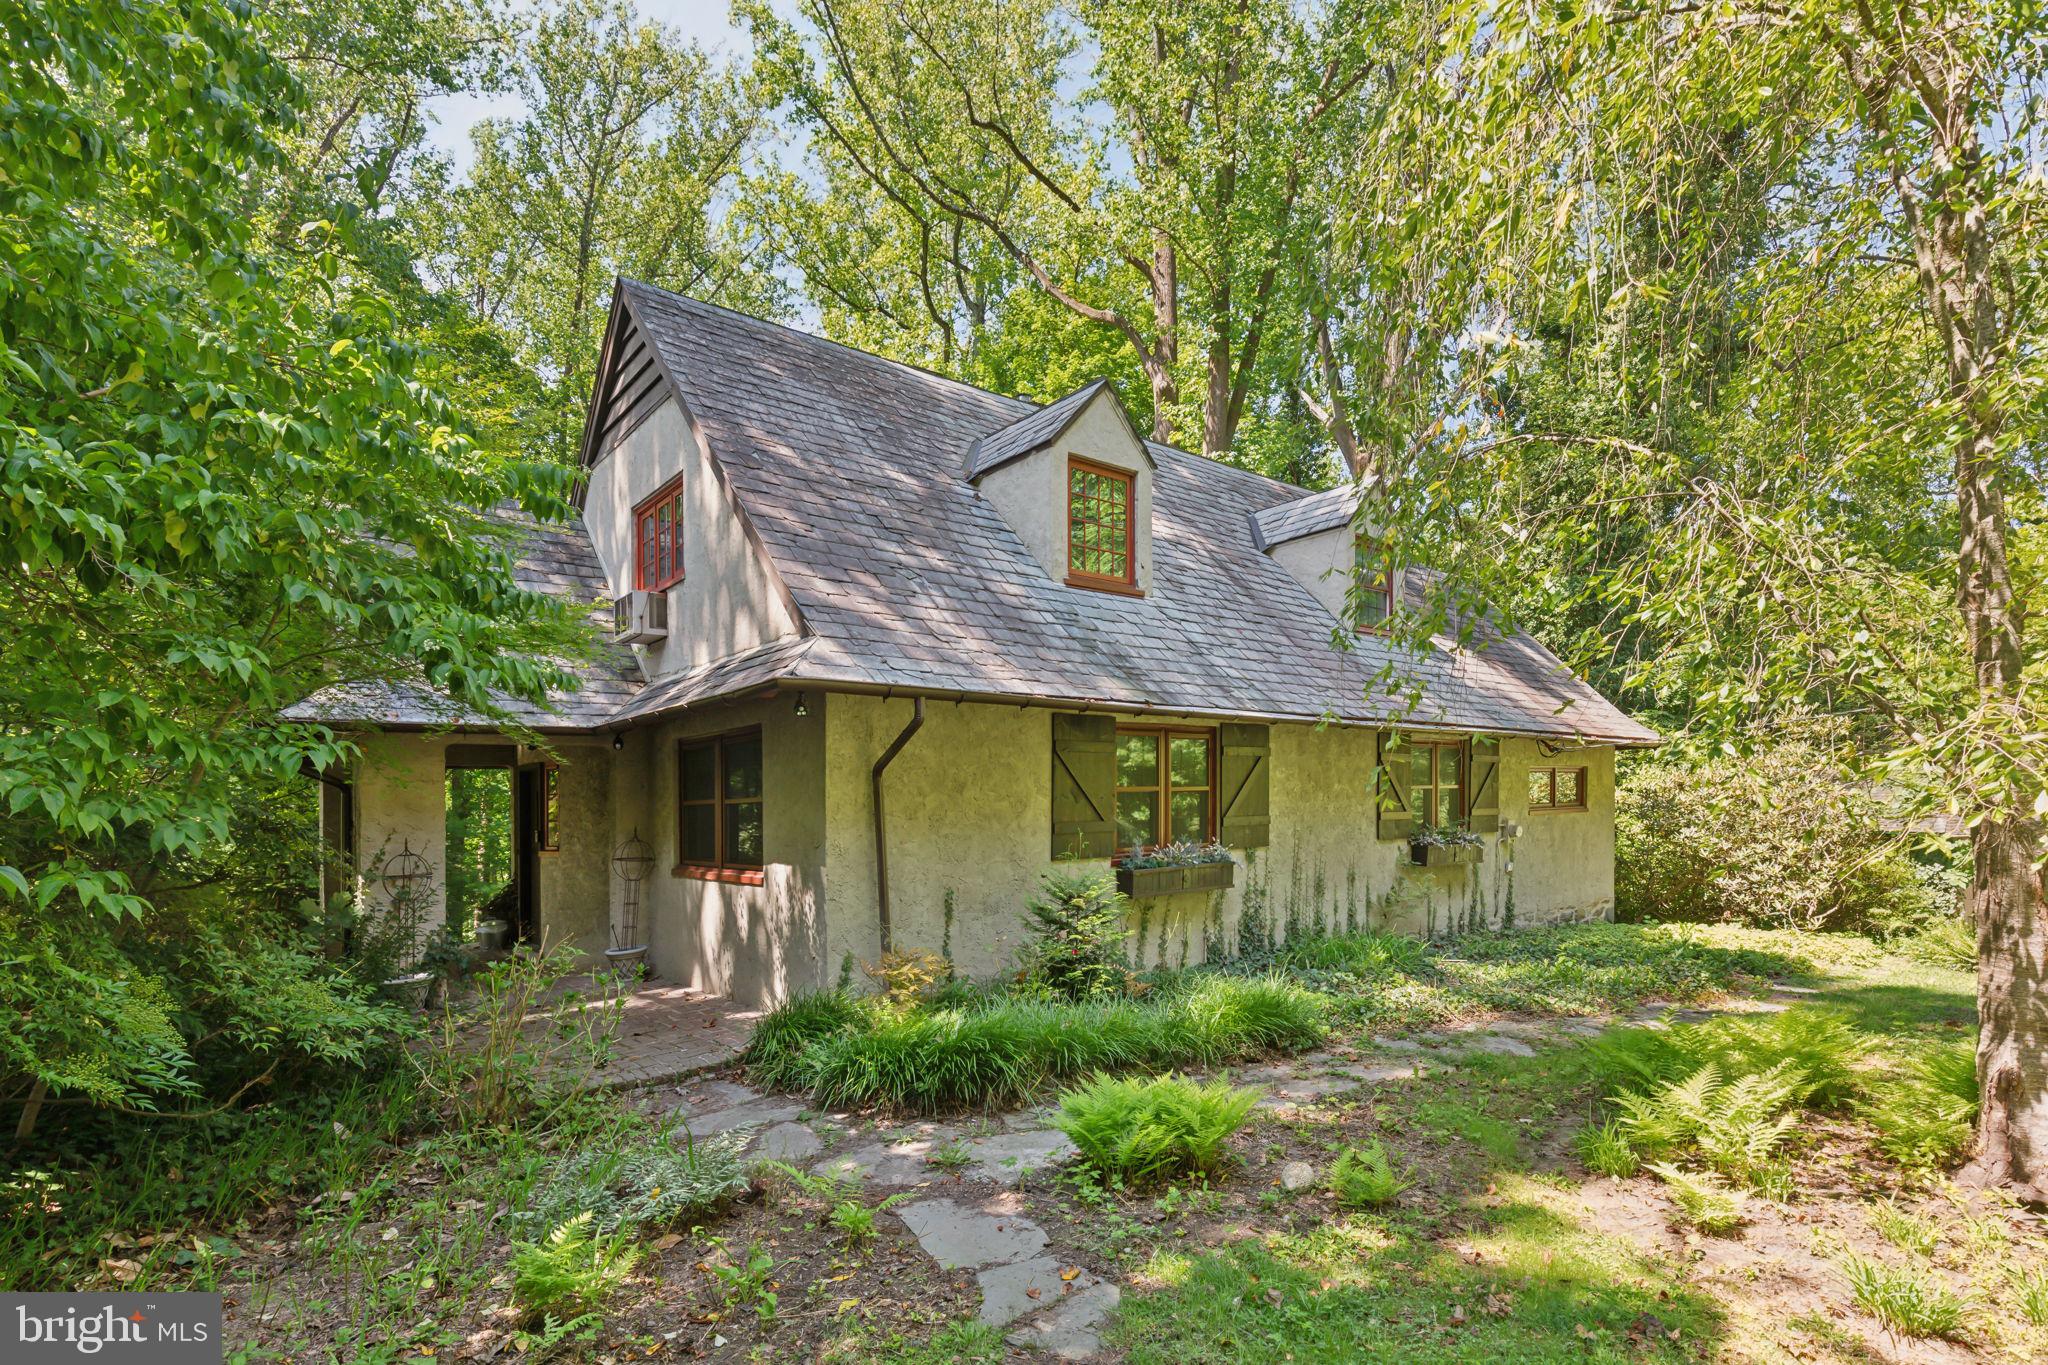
<point x="1426" y="815"/>
<point x="646" y="575"/>
<point x="551" y="808"/>
<point x="1361" y="547"/>
<point x="1552" y="807"/>
<point x="1163" y="818"/>
<point x="1080" y="578"/>
<point x="719" y="870"/>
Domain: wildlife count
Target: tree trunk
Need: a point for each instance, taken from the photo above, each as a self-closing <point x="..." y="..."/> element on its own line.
<point x="1164" y="287"/>
<point x="2012" y="1044"/>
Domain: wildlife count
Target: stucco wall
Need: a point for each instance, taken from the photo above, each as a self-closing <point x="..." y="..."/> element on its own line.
<point x="1321" y="563"/>
<point x="728" y="600"/>
<point x="968" y="803"/>
<point x="401" y="802"/>
<point x="1031" y="493"/>
<point x="755" y="943"/>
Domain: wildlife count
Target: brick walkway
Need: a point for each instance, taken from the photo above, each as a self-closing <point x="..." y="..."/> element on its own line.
<point x="667" y="1032"/>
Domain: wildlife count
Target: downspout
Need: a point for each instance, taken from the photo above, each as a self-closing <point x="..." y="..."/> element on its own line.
<point x="881" y="832"/>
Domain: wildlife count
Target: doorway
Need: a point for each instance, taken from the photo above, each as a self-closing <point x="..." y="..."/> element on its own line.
<point x="529" y="821"/>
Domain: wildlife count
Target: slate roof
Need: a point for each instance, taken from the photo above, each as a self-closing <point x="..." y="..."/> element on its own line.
<point x="552" y="559"/>
<point x="852" y="472"/>
<point x="1035" y="430"/>
<point x="849" y="468"/>
<point x="1324" y="511"/>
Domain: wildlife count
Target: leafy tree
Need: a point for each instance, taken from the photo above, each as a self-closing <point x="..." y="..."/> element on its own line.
<point x="224" y="483"/>
<point x="1768" y="410"/>
<point x="1144" y="174"/>
<point x="628" y="139"/>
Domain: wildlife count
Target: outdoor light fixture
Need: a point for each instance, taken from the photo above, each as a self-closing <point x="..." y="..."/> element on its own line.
<point x="619" y="739"/>
<point x="803" y="708"/>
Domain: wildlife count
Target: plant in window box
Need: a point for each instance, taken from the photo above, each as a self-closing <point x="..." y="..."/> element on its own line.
<point x="1170" y="869"/>
<point x="1444" y="846"/>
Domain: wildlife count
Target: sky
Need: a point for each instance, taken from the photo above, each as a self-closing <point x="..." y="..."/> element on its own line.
<point x="706" y="22"/>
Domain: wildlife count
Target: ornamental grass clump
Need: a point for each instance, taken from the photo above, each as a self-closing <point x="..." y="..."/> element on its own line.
<point x="1225" y="1018"/>
<point x="1136" y="1133"/>
<point x="776" y="1053"/>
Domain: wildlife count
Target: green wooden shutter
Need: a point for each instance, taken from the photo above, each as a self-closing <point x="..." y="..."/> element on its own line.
<point x="1083" y="786"/>
<point x="1483" y="772"/>
<point x="1391" y="786"/>
<point x="1244" y="787"/>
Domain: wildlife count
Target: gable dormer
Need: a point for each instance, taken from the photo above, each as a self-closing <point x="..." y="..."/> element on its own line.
<point x="1075" y="483"/>
<point x="1318" y="541"/>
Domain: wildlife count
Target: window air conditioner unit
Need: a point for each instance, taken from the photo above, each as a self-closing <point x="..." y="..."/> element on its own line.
<point x="639" y="618"/>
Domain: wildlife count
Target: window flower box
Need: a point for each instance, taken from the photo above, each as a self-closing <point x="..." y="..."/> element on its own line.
<point x="1444" y="855"/>
<point x="1141" y="882"/>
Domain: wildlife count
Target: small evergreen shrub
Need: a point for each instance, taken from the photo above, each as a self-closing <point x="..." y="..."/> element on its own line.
<point x="1078" y="934"/>
<point x="571" y="1271"/>
<point x="1911" y="1302"/>
<point x="1364" y="1177"/>
<point x="1138" y="1133"/>
<point x="776" y="1051"/>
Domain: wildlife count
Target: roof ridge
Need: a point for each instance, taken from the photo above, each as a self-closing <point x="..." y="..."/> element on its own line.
<point x="1033" y="404"/>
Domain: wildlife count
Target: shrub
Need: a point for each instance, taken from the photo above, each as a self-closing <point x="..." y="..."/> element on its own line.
<point x="1606" y="1150"/>
<point x="657" y="1185"/>
<point x="1139" y="1132"/>
<point x="1223" y="1018"/>
<point x="1910" y="1302"/>
<point x="1781" y="839"/>
<point x="1704" y="1199"/>
<point x="1364" y="1177"/>
<point x="906" y="976"/>
<point x="1077" y="950"/>
<point x="572" y="1271"/>
<point x="775" y="1053"/>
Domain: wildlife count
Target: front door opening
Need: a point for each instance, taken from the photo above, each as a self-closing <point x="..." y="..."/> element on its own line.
<point x="481" y="874"/>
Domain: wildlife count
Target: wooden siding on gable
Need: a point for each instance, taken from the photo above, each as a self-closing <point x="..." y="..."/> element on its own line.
<point x="632" y="385"/>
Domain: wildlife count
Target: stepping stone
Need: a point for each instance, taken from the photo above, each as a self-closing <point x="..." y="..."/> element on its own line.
<point x="1010" y="1156"/>
<point x="786" y="1142"/>
<point x="1501" y="1046"/>
<point x="1006" y="1289"/>
<point x="1586" y="1027"/>
<point x="756" y="1114"/>
<point x="1397" y="1045"/>
<point x="720" y="1094"/>
<point x="1385" y="1071"/>
<point x="1072" y="1330"/>
<point x="1305" y="1090"/>
<point x="887" y="1163"/>
<point x="962" y="1237"/>
<point x="1520" y="1028"/>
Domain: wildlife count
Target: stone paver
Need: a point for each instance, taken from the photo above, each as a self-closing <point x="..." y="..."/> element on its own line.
<point x="1072" y="1329"/>
<point x="786" y="1142"/>
<point x="1007" y="1288"/>
<point x="967" y="1237"/>
<point x="888" y="1163"/>
<point x="1008" y="1157"/>
<point x="758" y="1113"/>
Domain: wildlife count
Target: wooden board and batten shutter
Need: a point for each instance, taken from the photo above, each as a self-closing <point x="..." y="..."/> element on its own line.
<point x="1483" y="806"/>
<point x="1083" y="786"/>
<point x="1244" y="786"/>
<point x="1390" y="788"/>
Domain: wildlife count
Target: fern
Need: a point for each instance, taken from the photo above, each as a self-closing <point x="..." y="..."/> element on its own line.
<point x="571" y="1271"/>
<point x="1139" y="1132"/>
<point x="1704" y="1199"/>
<point x="1364" y="1177"/>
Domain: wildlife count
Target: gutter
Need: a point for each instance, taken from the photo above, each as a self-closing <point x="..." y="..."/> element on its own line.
<point x="881" y="829"/>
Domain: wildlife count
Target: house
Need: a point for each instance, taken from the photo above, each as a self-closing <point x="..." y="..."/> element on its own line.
<point x="893" y="647"/>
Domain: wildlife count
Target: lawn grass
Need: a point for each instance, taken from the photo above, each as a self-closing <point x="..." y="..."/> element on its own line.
<point x="1531" y="1286"/>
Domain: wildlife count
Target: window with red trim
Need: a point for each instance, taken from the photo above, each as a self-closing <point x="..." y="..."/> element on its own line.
<point x="658" y="532"/>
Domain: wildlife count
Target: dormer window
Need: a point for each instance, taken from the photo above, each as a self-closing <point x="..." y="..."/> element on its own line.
<point x="658" y="532"/>
<point x="1375" y="590"/>
<point x="1102" y="547"/>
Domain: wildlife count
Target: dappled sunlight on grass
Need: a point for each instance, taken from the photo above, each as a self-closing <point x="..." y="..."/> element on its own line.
<point x="1528" y="1285"/>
